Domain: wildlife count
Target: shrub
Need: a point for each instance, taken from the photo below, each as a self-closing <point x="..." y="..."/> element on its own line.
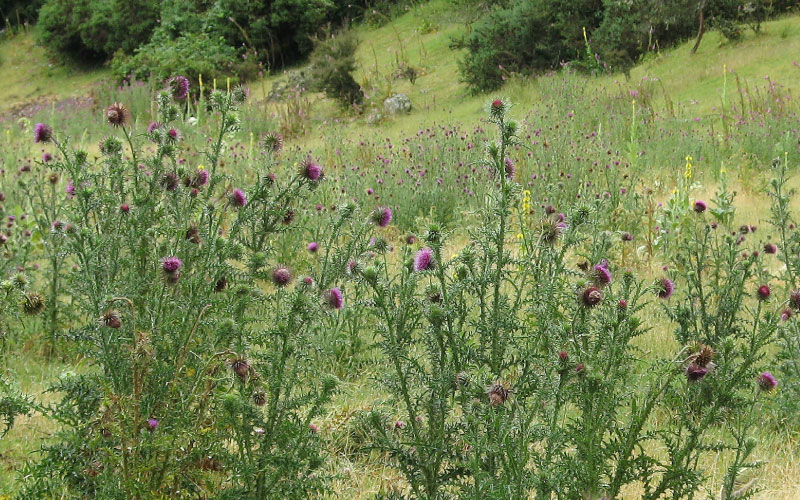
<point x="332" y="65"/>
<point x="95" y="30"/>
<point x="530" y="36"/>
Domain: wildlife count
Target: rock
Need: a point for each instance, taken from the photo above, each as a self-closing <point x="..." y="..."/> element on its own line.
<point x="398" y="103"/>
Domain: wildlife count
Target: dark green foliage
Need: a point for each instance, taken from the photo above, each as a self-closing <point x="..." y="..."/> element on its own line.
<point x="19" y="11"/>
<point x="93" y="31"/>
<point x="529" y="36"/>
<point x="333" y="62"/>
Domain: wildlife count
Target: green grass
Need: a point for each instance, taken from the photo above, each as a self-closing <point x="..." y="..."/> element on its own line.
<point x="28" y="74"/>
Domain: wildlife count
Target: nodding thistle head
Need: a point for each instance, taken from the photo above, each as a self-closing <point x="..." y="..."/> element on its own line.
<point x="33" y="303"/>
<point x="171" y="267"/>
<point x="169" y="181"/>
<point x="117" y="115"/>
<point x="664" y="288"/>
<point x="382" y="216"/>
<point x="498" y="394"/>
<point x="550" y="230"/>
<point x="110" y="319"/>
<point x="281" y="276"/>
<point x="42" y="133"/>
<point x="591" y="296"/>
<point x="767" y="382"/>
<point x="333" y="298"/>
<point x="794" y="299"/>
<point x="193" y="234"/>
<point x="704" y="356"/>
<point x="310" y="170"/>
<point x="763" y="292"/>
<point x="601" y="276"/>
<point x="700" y="206"/>
<point x="424" y="260"/>
<point x="695" y="372"/>
<point x="259" y="398"/>
<point x="770" y="248"/>
<point x="179" y="87"/>
<point x="272" y="142"/>
<point x="238" y="198"/>
<point x="241" y="368"/>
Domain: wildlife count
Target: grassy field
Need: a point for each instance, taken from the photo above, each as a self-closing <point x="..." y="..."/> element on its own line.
<point x="689" y="92"/>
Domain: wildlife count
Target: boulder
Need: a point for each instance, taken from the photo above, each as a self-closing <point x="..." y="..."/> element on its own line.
<point x="398" y="103"/>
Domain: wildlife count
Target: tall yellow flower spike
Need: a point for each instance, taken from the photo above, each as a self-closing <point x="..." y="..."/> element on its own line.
<point x="688" y="170"/>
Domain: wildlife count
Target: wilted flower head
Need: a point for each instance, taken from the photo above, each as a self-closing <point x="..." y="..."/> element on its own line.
<point x="310" y="170"/>
<point x="238" y="198"/>
<point x="498" y="394"/>
<point x="334" y="298"/>
<point x="550" y="230"/>
<point x="33" y="303"/>
<point x="42" y="133"/>
<point x="117" y="115"/>
<point x="794" y="299"/>
<point x="424" y="260"/>
<point x="382" y="216"/>
<point x="241" y="368"/>
<point x="770" y="248"/>
<point x="665" y="287"/>
<point x="179" y="86"/>
<point x="281" y="276"/>
<point x="767" y="382"/>
<point x="110" y="319"/>
<point x="591" y="296"/>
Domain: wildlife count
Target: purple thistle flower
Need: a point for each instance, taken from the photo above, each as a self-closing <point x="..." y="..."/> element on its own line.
<point x="311" y="170"/>
<point x="334" y="298"/>
<point x="238" y="198"/>
<point x="313" y="247"/>
<point x="767" y="382"/>
<point x="770" y="248"/>
<point x="152" y="127"/>
<point x="695" y="372"/>
<point x="665" y="288"/>
<point x="42" y="133"/>
<point x="179" y="85"/>
<point x="424" y="260"/>
<point x="281" y="276"/>
<point x="700" y="206"/>
<point x="794" y="299"/>
<point x="510" y="168"/>
<point x="763" y="292"/>
<point x="602" y="276"/>
<point x="70" y="190"/>
<point x="200" y="178"/>
<point x="382" y="216"/>
<point x="171" y="265"/>
<point x="786" y="314"/>
<point x="152" y="424"/>
<point x="627" y="237"/>
<point x="47" y="157"/>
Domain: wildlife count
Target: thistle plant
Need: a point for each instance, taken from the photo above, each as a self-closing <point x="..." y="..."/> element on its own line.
<point x="193" y="356"/>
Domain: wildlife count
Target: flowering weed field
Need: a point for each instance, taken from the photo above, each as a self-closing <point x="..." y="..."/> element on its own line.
<point x="594" y="296"/>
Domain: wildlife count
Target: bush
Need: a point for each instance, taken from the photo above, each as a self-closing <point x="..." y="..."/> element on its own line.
<point x="333" y="62"/>
<point x="191" y="56"/>
<point x="528" y="37"/>
<point x="95" y="30"/>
